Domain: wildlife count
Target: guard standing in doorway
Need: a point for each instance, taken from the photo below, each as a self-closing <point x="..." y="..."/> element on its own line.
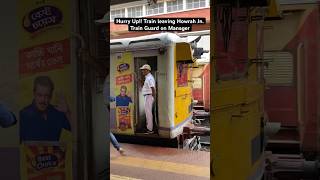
<point x="149" y="93"/>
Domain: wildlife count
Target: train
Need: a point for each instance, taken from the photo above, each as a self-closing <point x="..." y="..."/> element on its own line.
<point x="171" y="61"/>
<point x="236" y="105"/>
<point x="292" y="91"/>
<point x="238" y="120"/>
<point x="201" y="86"/>
<point x="263" y="68"/>
<point x="264" y="71"/>
<point x="235" y="98"/>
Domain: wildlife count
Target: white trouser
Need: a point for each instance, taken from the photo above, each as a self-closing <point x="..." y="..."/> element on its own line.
<point x="148" y="103"/>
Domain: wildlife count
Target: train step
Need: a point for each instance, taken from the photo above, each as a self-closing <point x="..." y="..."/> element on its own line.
<point x="198" y="107"/>
<point x="283" y="146"/>
<point x="205" y="140"/>
<point x="284" y="142"/>
<point x="195" y="131"/>
<point x="198" y="121"/>
<point x="201" y="113"/>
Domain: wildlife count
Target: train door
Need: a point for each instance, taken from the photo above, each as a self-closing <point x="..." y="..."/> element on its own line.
<point x="140" y="122"/>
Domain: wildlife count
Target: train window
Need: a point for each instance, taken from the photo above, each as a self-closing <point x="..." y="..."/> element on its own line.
<point x="197" y="83"/>
<point x="232" y="43"/>
<point x="280" y="70"/>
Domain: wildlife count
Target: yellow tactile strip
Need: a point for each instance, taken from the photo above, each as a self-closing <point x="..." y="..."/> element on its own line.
<point x="164" y="166"/>
<point x="117" y="177"/>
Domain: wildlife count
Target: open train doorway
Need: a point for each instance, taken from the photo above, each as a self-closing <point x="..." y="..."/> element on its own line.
<point x="140" y="124"/>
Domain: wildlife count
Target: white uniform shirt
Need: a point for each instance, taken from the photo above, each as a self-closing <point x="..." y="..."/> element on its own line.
<point x="149" y="82"/>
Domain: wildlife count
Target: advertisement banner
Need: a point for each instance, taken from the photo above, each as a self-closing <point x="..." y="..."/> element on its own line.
<point x="124" y="118"/>
<point x="45" y="161"/>
<point x="45" y="57"/>
<point x="182" y="75"/>
<point x="122" y="83"/>
<point x="46" y="97"/>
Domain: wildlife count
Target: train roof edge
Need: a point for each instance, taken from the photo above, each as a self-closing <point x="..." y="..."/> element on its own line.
<point x="150" y="41"/>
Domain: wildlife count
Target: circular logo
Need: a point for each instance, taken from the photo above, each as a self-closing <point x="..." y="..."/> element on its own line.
<point x="41" y="18"/>
<point x="123" y="67"/>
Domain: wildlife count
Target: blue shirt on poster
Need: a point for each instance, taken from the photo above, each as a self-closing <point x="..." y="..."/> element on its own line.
<point x="33" y="127"/>
<point x="123" y="100"/>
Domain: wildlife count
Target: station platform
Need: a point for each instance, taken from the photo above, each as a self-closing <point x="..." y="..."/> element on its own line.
<point x="142" y="162"/>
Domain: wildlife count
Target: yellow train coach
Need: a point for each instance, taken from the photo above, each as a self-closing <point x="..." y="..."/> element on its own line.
<point x="170" y="59"/>
<point x="237" y="88"/>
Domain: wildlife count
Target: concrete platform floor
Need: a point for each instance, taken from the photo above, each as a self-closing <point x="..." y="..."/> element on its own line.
<point x="158" y="163"/>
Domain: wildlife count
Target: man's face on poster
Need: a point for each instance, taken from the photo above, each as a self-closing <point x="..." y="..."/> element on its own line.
<point x="123" y="92"/>
<point x="42" y="97"/>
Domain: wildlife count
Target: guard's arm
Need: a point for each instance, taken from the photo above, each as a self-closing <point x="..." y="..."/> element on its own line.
<point x="152" y="85"/>
<point x="153" y="92"/>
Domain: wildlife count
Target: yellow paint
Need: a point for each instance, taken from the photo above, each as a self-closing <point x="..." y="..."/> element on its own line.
<point x="179" y="168"/>
<point x="67" y="138"/>
<point x="183" y="95"/>
<point x="236" y="111"/>
<point x="273" y="9"/>
<point x="183" y="51"/>
<point x="236" y="121"/>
